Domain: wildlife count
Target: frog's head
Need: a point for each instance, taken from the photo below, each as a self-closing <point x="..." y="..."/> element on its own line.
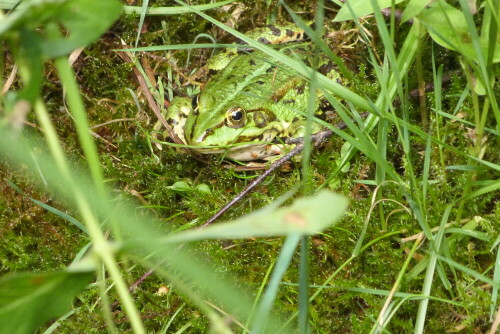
<point x="232" y="129"/>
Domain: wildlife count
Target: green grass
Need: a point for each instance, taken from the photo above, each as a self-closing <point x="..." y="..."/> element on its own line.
<point x="416" y="250"/>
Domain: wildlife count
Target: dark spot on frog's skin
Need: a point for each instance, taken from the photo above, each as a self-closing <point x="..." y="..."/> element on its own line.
<point x="244" y="139"/>
<point x="270" y="69"/>
<point x="307" y="62"/>
<point x="325" y="105"/>
<point x="212" y="72"/>
<point x="207" y="133"/>
<point x="289" y="32"/>
<point x="326" y="68"/>
<point x="263" y="40"/>
<point x="275" y="31"/>
<point x="230" y="76"/>
<point x="295" y="119"/>
<point x="289" y="101"/>
<point x="240" y="41"/>
<point x="244" y="51"/>
<point x="260" y="82"/>
<point x="252" y="62"/>
<point x="300" y="89"/>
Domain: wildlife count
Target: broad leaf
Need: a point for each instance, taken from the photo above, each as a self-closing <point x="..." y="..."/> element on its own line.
<point x="309" y="215"/>
<point x="29" y="300"/>
<point x="414" y="8"/>
<point x="360" y="8"/>
<point x="83" y="21"/>
<point x="448" y="27"/>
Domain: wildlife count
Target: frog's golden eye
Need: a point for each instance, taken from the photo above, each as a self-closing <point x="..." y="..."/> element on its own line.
<point x="235" y="118"/>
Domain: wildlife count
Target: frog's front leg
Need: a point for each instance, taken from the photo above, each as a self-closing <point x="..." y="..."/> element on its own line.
<point x="264" y="152"/>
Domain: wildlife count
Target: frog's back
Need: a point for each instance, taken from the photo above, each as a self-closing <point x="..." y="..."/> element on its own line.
<point x="249" y="81"/>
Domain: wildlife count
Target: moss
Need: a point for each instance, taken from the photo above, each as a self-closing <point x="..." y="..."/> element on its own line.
<point x="31" y="236"/>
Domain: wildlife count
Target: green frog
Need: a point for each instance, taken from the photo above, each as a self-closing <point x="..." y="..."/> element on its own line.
<point x="250" y="106"/>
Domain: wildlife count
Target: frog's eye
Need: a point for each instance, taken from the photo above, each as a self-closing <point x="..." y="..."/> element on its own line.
<point x="235" y="118"/>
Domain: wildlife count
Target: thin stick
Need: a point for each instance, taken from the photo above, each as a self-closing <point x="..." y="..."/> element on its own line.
<point x="278" y="163"/>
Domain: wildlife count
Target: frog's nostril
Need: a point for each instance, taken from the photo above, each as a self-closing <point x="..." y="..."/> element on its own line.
<point x="194" y="102"/>
<point x="260" y="119"/>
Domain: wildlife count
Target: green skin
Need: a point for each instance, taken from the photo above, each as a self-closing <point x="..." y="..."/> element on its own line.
<point x="244" y="108"/>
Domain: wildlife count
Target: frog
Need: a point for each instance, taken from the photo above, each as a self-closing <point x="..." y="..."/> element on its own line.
<point x="250" y="105"/>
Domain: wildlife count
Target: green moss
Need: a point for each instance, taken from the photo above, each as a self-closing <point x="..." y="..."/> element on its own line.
<point x="32" y="238"/>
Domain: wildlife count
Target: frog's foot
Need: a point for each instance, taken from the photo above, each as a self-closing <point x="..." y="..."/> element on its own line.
<point x="256" y="152"/>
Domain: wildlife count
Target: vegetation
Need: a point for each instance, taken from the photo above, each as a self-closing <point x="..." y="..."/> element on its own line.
<point x="100" y="220"/>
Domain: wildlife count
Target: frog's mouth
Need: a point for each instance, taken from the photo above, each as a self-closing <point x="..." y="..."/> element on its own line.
<point x="250" y="152"/>
<point x="246" y="148"/>
<point x="255" y="152"/>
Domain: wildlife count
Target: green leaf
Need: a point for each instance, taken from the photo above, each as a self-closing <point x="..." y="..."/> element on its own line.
<point x="83" y="21"/>
<point x="360" y="8"/>
<point x="203" y="189"/>
<point x="29" y="56"/>
<point x="28" y="300"/>
<point x="413" y="8"/>
<point x="8" y="4"/>
<point x="448" y="27"/>
<point x="306" y="216"/>
<point x="181" y="186"/>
